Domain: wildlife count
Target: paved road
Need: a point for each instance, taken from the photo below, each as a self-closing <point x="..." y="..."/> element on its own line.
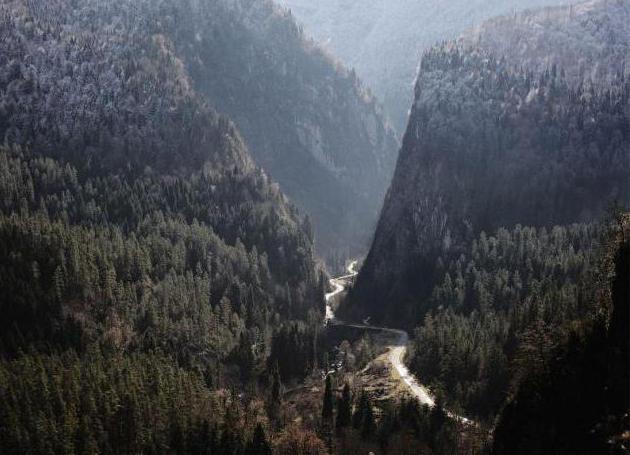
<point x="339" y="284"/>
<point x="397" y="349"/>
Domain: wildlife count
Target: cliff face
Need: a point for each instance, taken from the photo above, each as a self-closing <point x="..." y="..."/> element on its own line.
<point x="491" y="143"/>
<point x="306" y="119"/>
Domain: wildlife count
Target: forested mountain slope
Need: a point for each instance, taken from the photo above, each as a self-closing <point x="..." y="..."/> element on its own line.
<point x="589" y="41"/>
<point x="306" y="120"/>
<point x="490" y="295"/>
<point x="572" y="395"/>
<point x="384" y="40"/>
<point x="492" y="144"/>
<point x="145" y="261"/>
<point x="494" y="228"/>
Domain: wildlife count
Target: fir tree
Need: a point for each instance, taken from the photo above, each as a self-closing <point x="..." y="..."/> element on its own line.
<point x="327" y="405"/>
<point x="259" y="444"/>
<point x="344" y="408"/>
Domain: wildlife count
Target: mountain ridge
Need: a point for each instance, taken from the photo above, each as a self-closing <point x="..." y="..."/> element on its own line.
<point x="162" y="185"/>
<point x="449" y="175"/>
<point x="384" y="41"/>
<point x="307" y="120"/>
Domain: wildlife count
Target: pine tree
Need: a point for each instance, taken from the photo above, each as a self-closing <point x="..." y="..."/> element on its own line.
<point x="259" y="444"/>
<point x="177" y="442"/>
<point x="276" y="386"/>
<point x="274" y="405"/>
<point x="359" y="413"/>
<point x="327" y="407"/>
<point x="368" y="426"/>
<point x="246" y="358"/>
<point x="344" y="408"/>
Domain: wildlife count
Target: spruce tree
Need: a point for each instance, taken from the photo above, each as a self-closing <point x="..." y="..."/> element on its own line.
<point x="359" y="413"/>
<point x="327" y="407"/>
<point x="368" y="426"/>
<point x="259" y="444"/>
<point x="276" y="386"/>
<point x="274" y="404"/>
<point x="344" y="408"/>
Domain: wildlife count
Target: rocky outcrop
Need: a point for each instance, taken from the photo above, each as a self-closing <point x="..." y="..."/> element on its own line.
<point x="492" y="143"/>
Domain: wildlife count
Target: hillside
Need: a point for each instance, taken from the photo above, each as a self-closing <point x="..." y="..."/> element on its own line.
<point x="491" y="144"/>
<point x="384" y="40"/>
<point x="172" y="172"/>
<point x="307" y="121"/>
<point x="572" y="396"/>
<point x="491" y="237"/>
<point x="589" y="40"/>
<point x="490" y="297"/>
<point x="146" y="262"/>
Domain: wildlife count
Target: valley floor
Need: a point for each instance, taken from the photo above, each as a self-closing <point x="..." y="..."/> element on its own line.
<point x="389" y="366"/>
<point x="383" y="376"/>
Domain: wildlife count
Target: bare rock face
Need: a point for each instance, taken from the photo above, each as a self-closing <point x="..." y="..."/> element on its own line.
<point x="305" y="118"/>
<point x="495" y="141"/>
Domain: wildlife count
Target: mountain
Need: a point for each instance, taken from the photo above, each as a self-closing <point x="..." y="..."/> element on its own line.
<point x="493" y="143"/>
<point x="146" y="262"/>
<point x="589" y="40"/>
<point x="489" y="299"/>
<point x="307" y="121"/>
<point x="384" y="40"/>
<point x="573" y="394"/>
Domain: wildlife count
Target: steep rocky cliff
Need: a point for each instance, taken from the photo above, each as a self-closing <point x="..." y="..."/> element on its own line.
<point x="494" y="142"/>
<point x="306" y="119"/>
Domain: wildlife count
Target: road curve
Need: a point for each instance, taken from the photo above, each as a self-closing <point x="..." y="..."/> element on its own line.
<point x="339" y="284"/>
<point x="397" y="349"/>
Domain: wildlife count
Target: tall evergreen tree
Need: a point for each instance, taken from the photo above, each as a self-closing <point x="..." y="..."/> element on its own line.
<point x="327" y="405"/>
<point x="359" y="412"/>
<point x="276" y="386"/>
<point x="259" y="444"/>
<point x="344" y="408"/>
<point x="368" y="424"/>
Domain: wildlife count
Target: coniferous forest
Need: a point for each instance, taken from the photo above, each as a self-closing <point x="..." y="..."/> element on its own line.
<point x="192" y="259"/>
<point x="146" y="261"/>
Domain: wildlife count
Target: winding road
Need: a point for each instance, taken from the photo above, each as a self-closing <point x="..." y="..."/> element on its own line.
<point x="396" y="350"/>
